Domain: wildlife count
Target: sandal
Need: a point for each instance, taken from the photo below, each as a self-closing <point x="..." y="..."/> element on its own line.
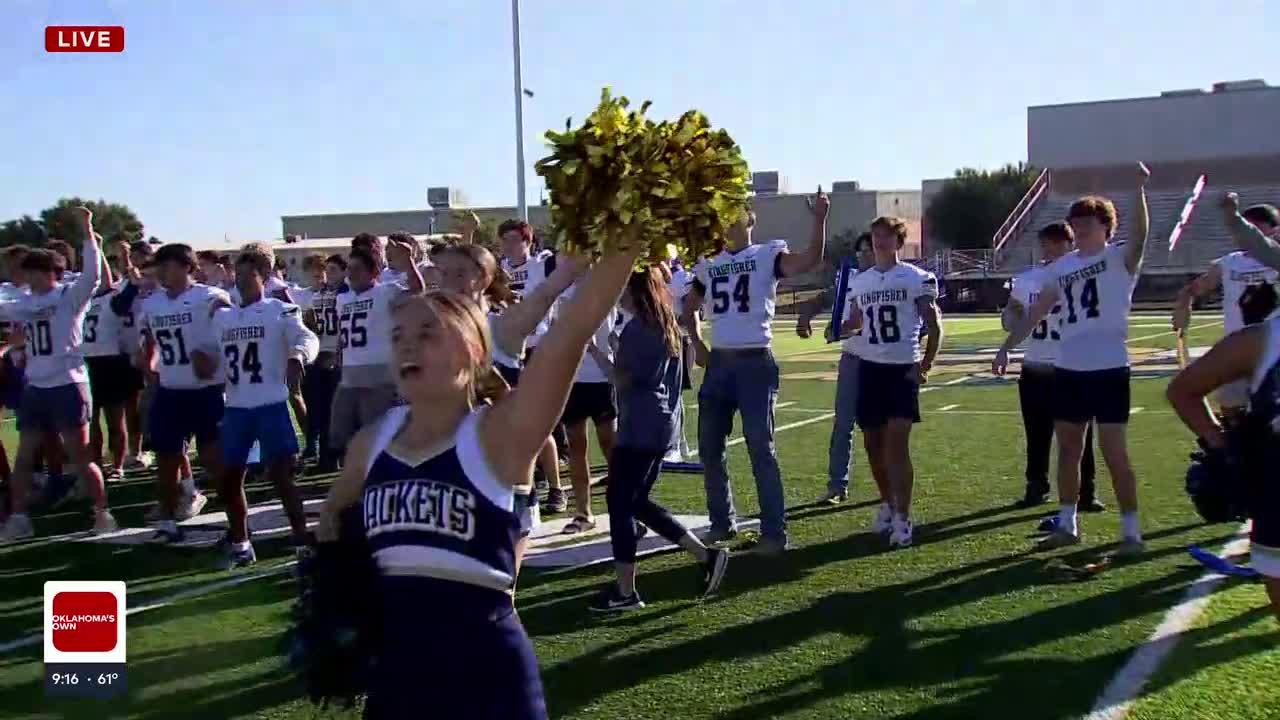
<point x="579" y="524"/>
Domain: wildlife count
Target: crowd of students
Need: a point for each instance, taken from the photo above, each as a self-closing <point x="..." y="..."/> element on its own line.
<point x="445" y="384"/>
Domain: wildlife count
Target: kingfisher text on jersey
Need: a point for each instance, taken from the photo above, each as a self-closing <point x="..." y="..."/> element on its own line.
<point x="740" y="291"/>
<point x="1096" y="293"/>
<point x="891" y="319"/>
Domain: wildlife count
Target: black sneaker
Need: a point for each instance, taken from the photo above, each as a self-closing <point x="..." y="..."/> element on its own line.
<point x="1032" y="499"/>
<point x="713" y="571"/>
<point x="720" y="535"/>
<point x="1090" y="505"/>
<point x="611" y="600"/>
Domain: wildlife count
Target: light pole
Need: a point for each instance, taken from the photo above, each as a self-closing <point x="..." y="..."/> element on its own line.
<point x="521" y="207"/>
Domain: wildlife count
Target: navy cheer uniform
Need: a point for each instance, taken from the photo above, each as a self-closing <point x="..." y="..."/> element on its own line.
<point x="443" y="537"/>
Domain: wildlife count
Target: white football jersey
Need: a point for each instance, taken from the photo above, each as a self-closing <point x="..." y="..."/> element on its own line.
<point x="1239" y="271"/>
<point x="180" y="325"/>
<point x="526" y="277"/>
<point x="891" y="321"/>
<point x="739" y="291"/>
<point x="323" y="301"/>
<point x="55" y="326"/>
<point x="258" y="341"/>
<point x="101" y="328"/>
<point x="10" y="294"/>
<point x="1041" y="346"/>
<point x="364" y="324"/>
<point x="130" y="335"/>
<point x="1096" y="293"/>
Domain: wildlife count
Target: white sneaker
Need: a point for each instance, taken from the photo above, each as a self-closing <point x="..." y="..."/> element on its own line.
<point x="141" y="461"/>
<point x="191" y="506"/>
<point x="18" y="527"/>
<point x="104" y="522"/>
<point x="901" y="535"/>
<point x="884" y="521"/>
<point x="113" y="475"/>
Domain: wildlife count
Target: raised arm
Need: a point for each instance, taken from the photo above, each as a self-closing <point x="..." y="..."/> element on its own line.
<point x="412" y="276"/>
<point x="520" y="320"/>
<point x="1247" y="237"/>
<point x="514" y="430"/>
<point x="1202" y="285"/>
<point x="1023" y="327"/>
<point x="1136" y="248"/>
<point x="84" y="286"/>
<point x="791" y="265"/>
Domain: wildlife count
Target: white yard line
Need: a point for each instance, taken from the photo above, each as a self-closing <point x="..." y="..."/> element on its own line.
<point x="38" y="636"/>
<point x="947" y="408"/>
<point x="1171" y="332"/>
<point x="1136" y="410"/>
<point x="959" y="380"/>
<point x="778" y="429"/>
<point x="1117" y="699"/>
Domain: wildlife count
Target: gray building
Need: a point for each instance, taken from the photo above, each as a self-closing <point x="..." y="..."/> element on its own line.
<point x="1231" y="120"/>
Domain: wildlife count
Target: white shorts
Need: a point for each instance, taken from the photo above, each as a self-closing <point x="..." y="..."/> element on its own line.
<point x="1234" y="394"/>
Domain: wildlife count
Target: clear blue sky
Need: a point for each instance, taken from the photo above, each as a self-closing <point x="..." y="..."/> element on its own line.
<point x="222" y="116"/>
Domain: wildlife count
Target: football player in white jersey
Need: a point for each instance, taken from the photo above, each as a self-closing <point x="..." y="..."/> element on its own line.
<point x="526" y="270"/>
<point x="320" y="306"/>
<point x="178" y="340"/>
<point x="265" y="346"/>
<point x="736" y="289"/>
<point x="109" y="375"/>
<point x="840" y="451"/>
<point x="891" y="302"/>
<point x="138" y="283"/>
<point x="1035" y="381"/>
<point x="1091" y="373"/>
<point x="367" y="388"/>
<point x="1233" y="273"/>
<point x="57" y="394"/>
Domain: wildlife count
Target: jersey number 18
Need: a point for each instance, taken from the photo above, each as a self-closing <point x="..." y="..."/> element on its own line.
<point x="888" y="331"/>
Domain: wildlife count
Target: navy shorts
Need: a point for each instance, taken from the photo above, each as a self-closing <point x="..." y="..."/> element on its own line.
<point x="55" y="409"/>
<point x="271" y="426"/>
<point x="179" y="414"/>
<point x="885" y="392"/>
<point x="1083" y="395"/>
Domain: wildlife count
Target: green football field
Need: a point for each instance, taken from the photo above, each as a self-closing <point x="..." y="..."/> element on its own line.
<point x="969" y="623"/>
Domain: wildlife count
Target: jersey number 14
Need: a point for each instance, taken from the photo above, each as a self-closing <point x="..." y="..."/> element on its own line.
<point x="1088" y="300"/>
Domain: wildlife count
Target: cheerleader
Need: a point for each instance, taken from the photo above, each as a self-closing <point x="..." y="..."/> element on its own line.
<point x="434" y="482"/>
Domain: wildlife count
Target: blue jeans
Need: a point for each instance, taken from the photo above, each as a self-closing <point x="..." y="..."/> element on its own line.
<point x="840" y="455"/>
<point x="744" y="381"/>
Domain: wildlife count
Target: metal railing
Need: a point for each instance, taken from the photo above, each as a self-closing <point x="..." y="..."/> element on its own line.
<point x="1021" y="213"/>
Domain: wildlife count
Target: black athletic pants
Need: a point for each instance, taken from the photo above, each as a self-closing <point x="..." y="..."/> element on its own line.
<point x="632" y="473"/>
<point x="1035" y="393"/>
<point x="318" y="385"/>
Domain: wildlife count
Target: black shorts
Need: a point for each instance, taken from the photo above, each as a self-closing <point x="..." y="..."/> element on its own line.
<point x="111" y="379"/>
<point x="885" y="392"/>
<point x="1083" y="395"/>
<point x="590" y="401"/>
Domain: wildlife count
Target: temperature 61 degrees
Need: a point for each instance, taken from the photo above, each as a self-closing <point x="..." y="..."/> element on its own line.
<point x="88" y="680"/>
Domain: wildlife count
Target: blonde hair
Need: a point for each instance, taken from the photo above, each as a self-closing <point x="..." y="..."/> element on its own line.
<point x="261" y="248"/>
<point x="469" y="321"/>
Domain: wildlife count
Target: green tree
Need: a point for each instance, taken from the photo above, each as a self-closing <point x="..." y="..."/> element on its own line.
<point x="113" y="221"/>
<point x="972" y="205"/>
<point x="26" y="230"/>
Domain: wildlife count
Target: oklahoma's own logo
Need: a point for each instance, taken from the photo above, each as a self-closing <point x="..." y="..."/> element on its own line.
<point x="84" y="621"/>
<point x="84" y="38"/>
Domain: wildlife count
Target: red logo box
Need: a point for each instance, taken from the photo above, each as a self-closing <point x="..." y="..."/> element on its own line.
<point x="84" y="621"/>
<point x="84" y="38"/>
